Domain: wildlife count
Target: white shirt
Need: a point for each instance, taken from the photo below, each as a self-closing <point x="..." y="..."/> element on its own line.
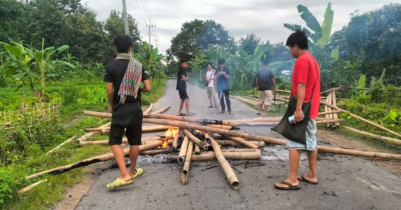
<point x="210" y="75"/>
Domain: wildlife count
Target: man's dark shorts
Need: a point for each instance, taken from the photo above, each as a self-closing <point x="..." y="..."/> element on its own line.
<point x="131" y="122"/>
<point x="183" y="94"/>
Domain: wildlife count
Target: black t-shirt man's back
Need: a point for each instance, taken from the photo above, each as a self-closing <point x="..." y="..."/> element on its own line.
<point x="114" y="73"/>
<point x="265" y="76"/>
<point x="181" y="85"/>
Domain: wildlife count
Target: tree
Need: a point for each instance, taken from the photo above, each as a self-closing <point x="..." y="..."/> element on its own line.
<point x="196" y="36"/>
<point x="115" y="26"/>
<point x="150" y="58"/>
<point x="250" y="43"/>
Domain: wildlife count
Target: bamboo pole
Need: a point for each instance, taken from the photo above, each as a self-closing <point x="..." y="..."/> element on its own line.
<point x="175" y="141"/>
<point x="183" y="151"/>
<point x="243" y="142"/>
<point x="145" y="129"/>
<point x="232" y="178"/>
<point x="30" y="187"/>
<point x="392" y="140"/>
<point x="106" y="142"/>
<point x="148" y="109"/>
<point x="220" y="126"/>
<point x="332" y="112"/>
<point x="363" y="119"/>
<point x="282" y="91"/>
<point x="327" y="109"/>
<point x="260" y="144"/>
<point x="154" y="152"/>
<point x="89" y="161"/>
<point x="160" y="111"/>
<point x="275" y="140"/>
<point x="91" y="134"/>
<point x="331" y="90"/>
<point x="197" y="141"/>
<point x="210" y="155"/>
<point x="197" y="149"/>
<point x="185" y="169"/>
<point x="65" y="142"/>
<point x="239" y="150"/>
<point x="335" y="116"/>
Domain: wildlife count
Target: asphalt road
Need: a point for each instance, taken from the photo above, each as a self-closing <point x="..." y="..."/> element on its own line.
<point x="345" y="182"/>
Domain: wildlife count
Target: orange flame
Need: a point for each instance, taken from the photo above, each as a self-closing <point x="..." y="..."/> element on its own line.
<point x="165" y="144"/>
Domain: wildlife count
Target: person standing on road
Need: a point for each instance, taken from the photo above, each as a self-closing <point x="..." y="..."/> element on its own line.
<point x="223" y="75"/>
<point x="182" y="79"/>
<point x="123" y="78"/>
<point x="265" y="83"/>
<point x="210" y="89"/>
<point x="305" y="87"/>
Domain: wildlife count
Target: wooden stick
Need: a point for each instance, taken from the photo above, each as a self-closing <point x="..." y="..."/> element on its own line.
<point x="283" y="91"/>
<point x="260" y="144"/>
<point x="197" y="141"/>
<point x="331" y="90"/>
<point x="363" y="119"/>
<point x="91" y="134"/>
<point x="333" y="97"/>
<point x="89" y="161"/>
<point x="148" y="109"/>
<point x="243" y="142"/>
<point x="220" y="126"/>
<point x="183" y="151"/>
<point x="239" y="150"/>
<point x="197" y="149"/>
<point x="155" y="152"/>
<point x="326" y="109"/>
<point x="392" y="140"/>
<point x="185" y="169"/>
<point x="161" y="110"/>
<point x="125" y="141"/>
<point x="332" y="112"/>
<point x="145" y="129"/>
<point x="232" y="178"/>
<point x="274" y="140"/>
<point x="30" y="187"/>
<point x="207" y="156"/>
<point x="56" y="148"/>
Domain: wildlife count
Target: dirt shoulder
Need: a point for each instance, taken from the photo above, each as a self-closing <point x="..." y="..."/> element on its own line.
<point x="348" y="142"/>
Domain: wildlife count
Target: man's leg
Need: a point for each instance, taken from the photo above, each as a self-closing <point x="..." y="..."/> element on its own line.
<point x="209" y="96"/>
<point x="187" y="105"/>
<point x="311" y="146"/>
<point x="227" y="95"/>
<point x="294" y="163"/>
<point x="261" y="100"/>
<point x="266" y="108"/>
<point x="181" y="106"/>
<point x="221" y="96"/>
<point x="312" y="158"/>
<point x="216" y="105"/>
<point x="120" y="159"/>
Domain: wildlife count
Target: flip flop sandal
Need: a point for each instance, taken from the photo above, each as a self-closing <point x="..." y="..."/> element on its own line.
<point x="290" y="186"/>
<point x="190" y="114"/>
<point x="182" y="114"/>
<point x="302" y="178"/>
<point x="139" y="172"/>
<point x="258" y="113"/>
<point x="118" y="183"/>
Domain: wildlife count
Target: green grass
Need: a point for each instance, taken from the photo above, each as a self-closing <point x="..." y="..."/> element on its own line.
<point x="47" y="194"/>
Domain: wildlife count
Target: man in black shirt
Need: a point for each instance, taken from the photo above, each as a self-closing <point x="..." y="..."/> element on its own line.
<point x="127" y="114"/>
<point x="223" y="87"/>
<point x="265" y="83"/>
<point x="182" y="79"/>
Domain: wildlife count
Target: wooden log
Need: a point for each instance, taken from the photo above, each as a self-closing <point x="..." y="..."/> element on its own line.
<point x="271" y="140"/>
<point x="147" y="111"/>
<point x="175" y="141"/>
<point x="331" y="90"/>
<point x="363" y="120"/>
<point x="327" y="109"/>
<point x="252" y="120"/>
<point x="392" y="140"/>
<point x="155" y="152"/>
<point x="91" y="134"/>
<point x="106" y="142"/>
<point x="185" y="169"/>
<point x="243" y="142"/>
<point x="207" y="156"/>
<point x="332" y="112"/>
<point x="30" y="187"/>
<point x="197" y="149"/>
<point x="98" y="114"/>
<point x="220" y="126"/>
<point x="183" y="151"/>
<point x="239" y="150"/>
<point x="205" y="146"/>
<point x="145" y="129"/>
<point x="260" y="144"/>
<point x="232" y="178"/>
<point x="328" y="121"/>
<point x="282" y="91"/>
<point x="160" y="111"/>
<point x="89" y="161"/>
<point x="60" y="145"/>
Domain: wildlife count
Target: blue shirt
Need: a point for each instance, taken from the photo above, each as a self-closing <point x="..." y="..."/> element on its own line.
<point x="222" y="81"/>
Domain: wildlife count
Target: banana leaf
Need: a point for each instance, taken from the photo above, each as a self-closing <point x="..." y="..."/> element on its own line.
<point x="326" y="26"/>
<point x="310" y="20"/>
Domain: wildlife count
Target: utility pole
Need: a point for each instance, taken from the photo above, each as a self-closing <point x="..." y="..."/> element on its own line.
<point x="125" y="16"/>
<point x="150" y="26"/>
<point x="156" y="39"/>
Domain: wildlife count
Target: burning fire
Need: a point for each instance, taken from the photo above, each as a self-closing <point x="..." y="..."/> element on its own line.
<point x="170" y="133"/>
<point x="198" y="131"/>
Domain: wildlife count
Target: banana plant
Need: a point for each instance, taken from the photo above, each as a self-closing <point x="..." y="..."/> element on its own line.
<point x="150" y="58"/>
<point x="43" y="60"/>
<point x="19" y="64"/>
<point x="319" y="35"/>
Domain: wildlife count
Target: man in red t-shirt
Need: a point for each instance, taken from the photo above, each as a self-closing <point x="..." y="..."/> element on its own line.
<point x="305" y="86"/>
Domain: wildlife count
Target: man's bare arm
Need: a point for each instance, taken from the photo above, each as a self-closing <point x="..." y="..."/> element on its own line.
<point x="301" y="89"/>
<point x="274" y="83"/>
<point x="146" y="86"/>
<point x="110" y="97"/>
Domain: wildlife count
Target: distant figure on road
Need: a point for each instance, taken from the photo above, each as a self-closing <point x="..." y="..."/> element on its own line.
<point x="265" y="83"/>
<point x="123" y="78"/>
<point x="223" y="75"/>
<point x="182" y="79"/>
<point x="210" y="89"/>
<point x="305" y="87"/>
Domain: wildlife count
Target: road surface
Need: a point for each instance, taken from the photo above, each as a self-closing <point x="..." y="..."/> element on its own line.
<point x="345" y="182"/>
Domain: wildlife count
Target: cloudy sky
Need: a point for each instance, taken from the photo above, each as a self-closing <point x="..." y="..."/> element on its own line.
<point x="265" y="18"/>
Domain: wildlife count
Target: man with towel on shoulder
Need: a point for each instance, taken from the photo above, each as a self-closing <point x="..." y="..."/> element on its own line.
<point x="123" y="77"/>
